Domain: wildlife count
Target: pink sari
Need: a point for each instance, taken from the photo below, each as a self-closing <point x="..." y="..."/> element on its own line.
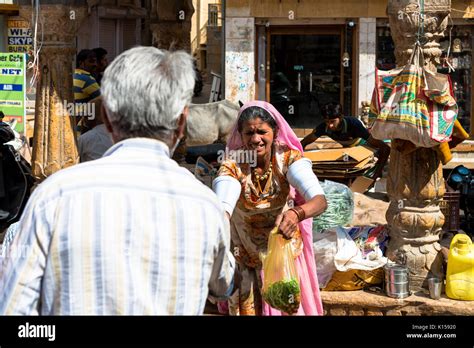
<point x="305" y="264"/>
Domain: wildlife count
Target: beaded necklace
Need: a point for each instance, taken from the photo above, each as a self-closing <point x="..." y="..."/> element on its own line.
<point x="264" y="175"/>
<point x="260" y="178"/>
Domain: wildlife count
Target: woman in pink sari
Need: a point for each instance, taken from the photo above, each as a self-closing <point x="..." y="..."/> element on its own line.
<point x="266" y="182"/>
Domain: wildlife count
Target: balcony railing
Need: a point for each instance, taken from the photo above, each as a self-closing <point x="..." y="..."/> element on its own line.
<point x="214" y="15"/>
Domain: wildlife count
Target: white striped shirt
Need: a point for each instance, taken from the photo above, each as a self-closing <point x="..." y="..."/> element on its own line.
<point x="131" y="233"/>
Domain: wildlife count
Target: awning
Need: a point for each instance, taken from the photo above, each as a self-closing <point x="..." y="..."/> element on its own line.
<point x="9" y="9"/>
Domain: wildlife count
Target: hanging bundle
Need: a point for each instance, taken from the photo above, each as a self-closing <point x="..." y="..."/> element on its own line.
<point x="413" y="103"/>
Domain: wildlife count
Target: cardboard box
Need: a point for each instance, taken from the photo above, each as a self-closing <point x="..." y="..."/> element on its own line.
<point x="323" y="142"/>
<point x="344" y="163"/>
<point x="355" y="154"/>
<point x="361" y="184"/>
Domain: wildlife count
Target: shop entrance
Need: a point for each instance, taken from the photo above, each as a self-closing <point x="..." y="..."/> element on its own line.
<point x="306" y="71"/>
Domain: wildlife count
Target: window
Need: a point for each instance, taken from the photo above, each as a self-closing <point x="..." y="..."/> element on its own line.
<point x="118" y="35"/>
<point x="129" y="34"/>
<point x="385" y="48"/>
<point x="108" y="36"/>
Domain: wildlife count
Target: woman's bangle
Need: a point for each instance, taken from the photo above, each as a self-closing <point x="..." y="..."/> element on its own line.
<point x="299" y="213"/>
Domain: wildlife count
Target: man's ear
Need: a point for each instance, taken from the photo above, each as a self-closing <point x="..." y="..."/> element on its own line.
<point x="182" y="122"/>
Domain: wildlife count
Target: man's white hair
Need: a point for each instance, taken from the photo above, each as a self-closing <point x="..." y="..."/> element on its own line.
<point x="145" y="90"/>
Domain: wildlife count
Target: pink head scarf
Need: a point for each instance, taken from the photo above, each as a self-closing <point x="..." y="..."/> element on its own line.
<point x="311" y="301"/>
<point x="285" y="133"/>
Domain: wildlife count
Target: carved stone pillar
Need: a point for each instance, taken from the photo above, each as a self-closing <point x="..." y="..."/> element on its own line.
<point x="54" y="144"/>
<point x="170" y="24"/>
<point x="415" y="181"/>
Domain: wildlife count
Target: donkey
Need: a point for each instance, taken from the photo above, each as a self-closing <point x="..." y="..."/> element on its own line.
<point x="211" y="122"/>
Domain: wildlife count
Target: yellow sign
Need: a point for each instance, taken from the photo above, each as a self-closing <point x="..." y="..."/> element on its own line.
<point x="18" y="24"/>
<point x="19" y="49"/>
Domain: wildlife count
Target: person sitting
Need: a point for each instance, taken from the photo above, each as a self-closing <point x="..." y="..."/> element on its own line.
<point x="348" y="131"/>
<point x="95" y="142"/>
<point x="256" y="199"/>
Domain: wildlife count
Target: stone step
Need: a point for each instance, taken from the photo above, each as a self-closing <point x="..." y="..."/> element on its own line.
<point x="365" y="303"/>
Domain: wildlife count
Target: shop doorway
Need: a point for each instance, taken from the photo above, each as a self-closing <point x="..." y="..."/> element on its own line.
<point x="305" y="71"/>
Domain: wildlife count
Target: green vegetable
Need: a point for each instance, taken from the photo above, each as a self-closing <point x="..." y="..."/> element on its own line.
<point x="284" y="295"/>
<point x="340" y="207"/>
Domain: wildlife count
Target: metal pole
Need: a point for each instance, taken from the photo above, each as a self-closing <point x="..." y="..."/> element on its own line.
<point x="223" y="5"/>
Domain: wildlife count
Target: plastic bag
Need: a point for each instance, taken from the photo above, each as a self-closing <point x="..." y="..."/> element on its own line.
<point x="281" y="288"/>
<point x="355" y="254"/>
<point x="354" y="279"/>
<point x="371" y="241"/>
<point x="325" y="249"/>
<point x="340" y="206"/>
<point x="357" y="260"/>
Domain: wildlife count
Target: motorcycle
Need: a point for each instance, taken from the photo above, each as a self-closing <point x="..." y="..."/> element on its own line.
<point x="280" y="94"/>
<point x="16" y="179"/>
<point x="461" y="179"/>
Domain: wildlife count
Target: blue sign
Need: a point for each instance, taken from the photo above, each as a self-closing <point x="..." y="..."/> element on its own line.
<point x="14" y="88"/>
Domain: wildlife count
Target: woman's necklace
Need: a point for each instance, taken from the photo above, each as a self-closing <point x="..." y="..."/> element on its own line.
<point x="265" y="175"/>
<point x="260" y="178"/>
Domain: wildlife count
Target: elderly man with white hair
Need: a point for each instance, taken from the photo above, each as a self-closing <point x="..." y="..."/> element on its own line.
<point x="131" y="232"/>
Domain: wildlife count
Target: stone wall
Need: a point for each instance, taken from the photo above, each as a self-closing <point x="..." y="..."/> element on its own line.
<point x="362" y="303"/>
<point x="239" y="59"/>
<point x="214" y="50"/>
<point x="170" y="24"/>
<point x="367" y="57"/>
<point x="326" y="9"/>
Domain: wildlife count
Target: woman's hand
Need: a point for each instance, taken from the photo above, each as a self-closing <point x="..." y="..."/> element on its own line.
<point x="287" y="223"/>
